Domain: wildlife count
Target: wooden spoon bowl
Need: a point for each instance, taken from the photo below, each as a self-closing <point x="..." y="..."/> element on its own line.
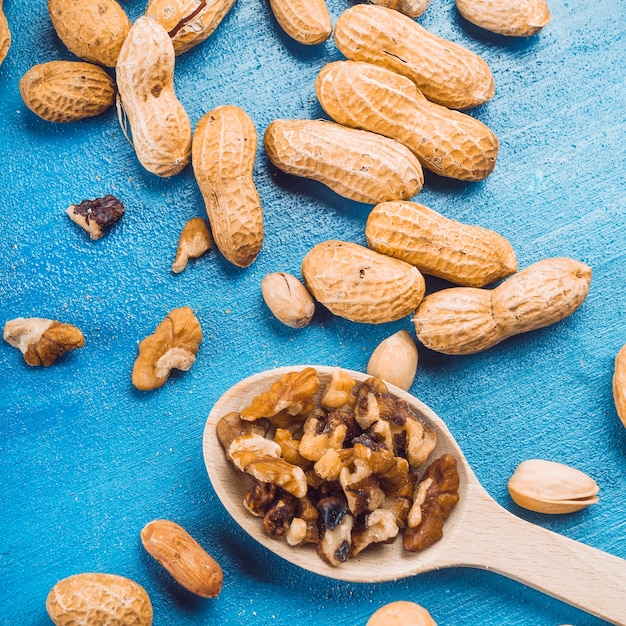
<point x="479" y="532"/>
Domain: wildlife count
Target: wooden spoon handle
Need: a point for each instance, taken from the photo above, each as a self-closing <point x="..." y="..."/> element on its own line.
<point x="573" y="572"/>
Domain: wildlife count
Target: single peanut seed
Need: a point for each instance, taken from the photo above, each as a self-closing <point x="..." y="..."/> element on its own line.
<point x="445" y="72"/>
<point x="395" y="360"/>
<point x="288" y="299"/>
<point x="306" y="21"/>
<point x="550" y="487"/>
<point x="619" y="384"/>
<point x="356" y="164"/>
<point x="411" y="8"/>
<point x="514" y="18"/>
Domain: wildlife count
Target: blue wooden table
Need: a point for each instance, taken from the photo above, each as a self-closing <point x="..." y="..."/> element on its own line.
<point x="86" y="460"/>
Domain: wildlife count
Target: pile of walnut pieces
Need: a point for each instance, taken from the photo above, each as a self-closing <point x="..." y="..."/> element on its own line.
<point x="337" y="466"/>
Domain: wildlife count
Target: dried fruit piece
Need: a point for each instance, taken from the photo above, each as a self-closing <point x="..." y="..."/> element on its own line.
<point x="93" y="31"/>
<point x="5" y="35"/>
<point x="173" y="345"/>
<point x="377" y="99"/>
<point x="224" y="150"/>
<point x="445" y="72"/>
<point x="92" y="599"/>
<point x="98" y="215"/>
<point x="550" y="487"/>
<point x="188" y="22"/>
<point x="362" y="285"/>
<point x="467" y="255"/>
<point x="401" y="613"/>
<point x="67" y="91"/>
<point x="359" y="165"/>
<point x="193" y="242"/>
<point x="306" y="21"/>
<point x="465" y="320"/>
<point x="40" y="340"/>
<point x="521" y="18"/>
<point x="619" y="384"/>
<point x="288" y="299"/>
<point x="183" y="557"/>
<point x="395" y="360"/>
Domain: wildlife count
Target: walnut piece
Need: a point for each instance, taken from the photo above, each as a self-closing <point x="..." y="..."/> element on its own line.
<point x="232" y="426"/>
<point x="338" y="393"/>
<point x="173" y="345"/>
<point x="42" y="341"/>
<point x="96" y="216"/>
<point x="193" y="242"/>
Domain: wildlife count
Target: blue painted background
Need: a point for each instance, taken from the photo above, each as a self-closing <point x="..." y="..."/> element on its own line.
<point x="86" y="460"/>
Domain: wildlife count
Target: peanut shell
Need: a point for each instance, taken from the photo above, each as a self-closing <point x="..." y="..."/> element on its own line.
<point x="356" y="164"/>
<point x="466" y="255"/>
<point x="306" y="21"/>
<point x="361" y="285"/>
<point x="224" y="150"/>
<point x="367" y="96"/>
<point x="445" y="72"/>
<point x="67" y="91"/>
<point x="5" y="35"/>
<point x="513" y="18"/>
<point x="619" y="384"/>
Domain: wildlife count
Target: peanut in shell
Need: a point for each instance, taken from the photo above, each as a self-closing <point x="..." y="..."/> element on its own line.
<point x="512" y="18"/>
<point x="5" y="35"/>
<point x="619" y="384"/>
<point x="306" y="21"/>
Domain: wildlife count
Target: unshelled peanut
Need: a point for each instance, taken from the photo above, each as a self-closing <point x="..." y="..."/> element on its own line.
<point x="93" y="31"/>
<point x="66" y="91"/>
<point x="356" y="164"/>
<point x="619" y="384"/>
<point x="224" y="150"/>
<point x="287" y="298"/>
<point x="183" y="557"/>
<point x="188" y="22"/>
<point x="465" y="320"/>
<point x="412" y="8"/>
<point x="466" y="255"/>
<point x="513" y="18"/>
<point x="367" y="96"/>
<point x="306" y="21"/>
<point x="445" y="72"/>
<point x="5" y="35"/>
<point x="160" y="126"/>
<point x="361" y="285"/>
<point x="93" y="599"/>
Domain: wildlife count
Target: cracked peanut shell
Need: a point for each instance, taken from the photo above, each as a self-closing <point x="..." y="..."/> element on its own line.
<point x="619" y="384"/>
<point x="306" y="21"/>
<point x="362" y="285"/>
<point x="513" y="18"/>
<point x="357" y="164"/>
<point x="370" y="97"/>
<point x="445" y="72"/>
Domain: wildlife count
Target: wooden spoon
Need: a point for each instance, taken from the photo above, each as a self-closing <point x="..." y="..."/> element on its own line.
<point x="479" y="533"/>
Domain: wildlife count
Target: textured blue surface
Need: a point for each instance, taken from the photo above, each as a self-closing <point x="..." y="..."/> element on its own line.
<point x="86" y="460"/>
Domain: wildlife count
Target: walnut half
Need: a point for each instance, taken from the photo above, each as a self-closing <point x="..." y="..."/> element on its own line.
<point x="173" y="345"/>
<point x="40" y="340"/>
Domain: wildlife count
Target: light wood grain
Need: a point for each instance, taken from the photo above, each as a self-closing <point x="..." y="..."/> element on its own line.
<point x="479" y="533"/>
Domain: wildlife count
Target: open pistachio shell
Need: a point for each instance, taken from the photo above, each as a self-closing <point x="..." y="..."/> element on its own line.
<point x="550" y="487"/>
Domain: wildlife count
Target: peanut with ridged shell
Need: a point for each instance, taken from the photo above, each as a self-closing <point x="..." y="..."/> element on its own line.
<point x="93" y="31"/>
<point x="361" y="285"/>
<point x="159" y="124"/>
<point x="465" y="320"/>
<point x="513" y="18"/>
<point x="370" y="97"/>
<point x="356" y="164"/>
<point x="466" y="255"/>
<point x="223" y="154"/>
<point x="619" y="384"/>
<point x="67" y="91"/>
<point x="445" y="72"/>
<point x="306" y="21"/>
<point x="5" y="35"/>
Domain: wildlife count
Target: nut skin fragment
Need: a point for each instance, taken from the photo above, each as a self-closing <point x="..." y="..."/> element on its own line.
<point x="5" y="35"/>
<point x="40" y="340"/>
<point x="439" y="498"/>
<point x="67" y="91"/>
<point x="445" y="72"/>
<point x="361" y="285"/>
<point x="173" y="345"/>
<point x="93" y="31"/>
<point x="619" y="385"/>
<point x="519" y="18"/>
<point x="193" y="242"/>
<point x="188" y="22"/>
<point x="550" y="487"/>
<point x="306" y="21"/>
<point x="376" y="99"/>
<point x="95" y="599"/>
<point x="288" y="299"/>
<point x="356" y="164"/>
<point x="97" y="216"/>
<point x="465" y="320"/>
<point x="401" y="613"/>
<point x="470" y="256"/>
<point x="183" y="557"/>
<point x="395" y="360"/>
